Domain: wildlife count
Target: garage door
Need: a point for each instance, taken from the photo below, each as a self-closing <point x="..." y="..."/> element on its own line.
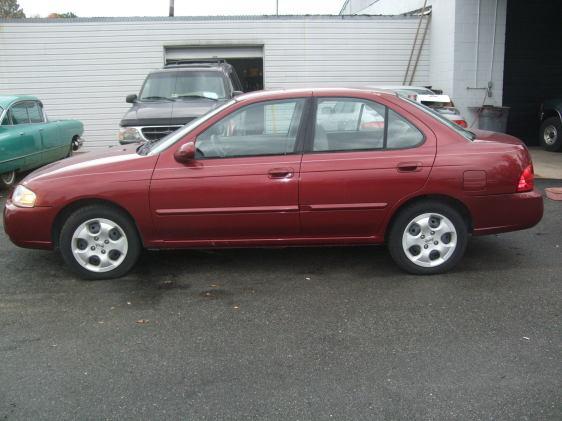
<point x="202" y="52"/>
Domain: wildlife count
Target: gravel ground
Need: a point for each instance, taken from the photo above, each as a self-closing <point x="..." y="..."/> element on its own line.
<point x="299" y="334"/>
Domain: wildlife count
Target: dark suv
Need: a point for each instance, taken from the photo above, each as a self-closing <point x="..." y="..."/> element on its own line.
<point x="175" y="95"/>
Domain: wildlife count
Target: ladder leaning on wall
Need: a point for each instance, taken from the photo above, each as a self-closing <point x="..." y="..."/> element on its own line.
<point x="417" y="46"/>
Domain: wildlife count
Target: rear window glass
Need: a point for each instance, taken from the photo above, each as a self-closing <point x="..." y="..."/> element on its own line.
<point x="467" y="134"/>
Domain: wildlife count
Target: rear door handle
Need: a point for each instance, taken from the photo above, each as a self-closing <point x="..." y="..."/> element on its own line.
<point x="409" y="166"/>
<point x="281" y="172"/>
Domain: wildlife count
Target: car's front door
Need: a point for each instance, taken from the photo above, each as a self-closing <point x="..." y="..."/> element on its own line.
<point x="361" y="158"/>
<point x="243" y="184"/>
<point x="24" y="147"/>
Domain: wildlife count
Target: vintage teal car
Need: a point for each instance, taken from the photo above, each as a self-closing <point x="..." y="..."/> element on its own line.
<point x="28" y="139"/>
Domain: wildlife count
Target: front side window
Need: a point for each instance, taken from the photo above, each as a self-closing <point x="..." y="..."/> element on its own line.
<point x="35" y="111"/>
<point x="348" y="124"/>
<point x="266" y="128"/>
<point x="177" y="85"/>
<point x="19" y="114"/>
<point x="6" y="119"/>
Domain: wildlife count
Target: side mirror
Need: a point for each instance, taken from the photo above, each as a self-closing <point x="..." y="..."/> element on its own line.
<point x="236" y="93"/>
<point x="185" y="153"/>
<point x="131" y="99"/>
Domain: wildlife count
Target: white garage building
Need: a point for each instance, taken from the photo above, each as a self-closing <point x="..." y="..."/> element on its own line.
<point x="84" y="68"/>
<point x="497" y="51"/>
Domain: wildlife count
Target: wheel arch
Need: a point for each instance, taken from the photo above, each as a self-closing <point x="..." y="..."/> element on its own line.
<point x="551" y="112"/>
<point x="449" y="200"/>
<point x="67" y="210"/>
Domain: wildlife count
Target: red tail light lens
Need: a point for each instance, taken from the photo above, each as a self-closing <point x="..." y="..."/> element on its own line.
<point x="461" y="123"/>
<point x="527" y="180"/>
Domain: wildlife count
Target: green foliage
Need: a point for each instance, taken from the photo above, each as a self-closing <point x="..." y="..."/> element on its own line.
<point x="10" y="9"/>
<point x="62" y="15"/>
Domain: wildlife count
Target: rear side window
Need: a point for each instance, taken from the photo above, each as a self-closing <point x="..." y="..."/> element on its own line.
<point x="401" y="133"/>
<point x="35" y="112"/>
<point x="349" y="124"/>
<point x="19" y="114"/>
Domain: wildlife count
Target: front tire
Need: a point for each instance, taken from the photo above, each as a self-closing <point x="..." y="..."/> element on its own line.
<point x="428" y="237"/>
<point x="99" y="242"/>
<point x="551" y="134"/>
<point x="8" y="179"/>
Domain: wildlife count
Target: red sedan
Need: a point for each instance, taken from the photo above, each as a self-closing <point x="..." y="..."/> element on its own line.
<point x="285" y="168"/>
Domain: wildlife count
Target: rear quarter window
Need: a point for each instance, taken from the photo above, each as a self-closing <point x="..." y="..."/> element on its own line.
<point x="401" y="133"/>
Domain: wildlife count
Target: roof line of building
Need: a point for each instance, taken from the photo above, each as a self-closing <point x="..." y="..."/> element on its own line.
<point x="197" y="18"/>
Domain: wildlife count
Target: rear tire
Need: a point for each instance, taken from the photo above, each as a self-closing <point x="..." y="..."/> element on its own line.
<point x="99" y="242"/>
<point x="551" y="134"/>
<point x="8" y="179"/>
<point x="428" y="237"/>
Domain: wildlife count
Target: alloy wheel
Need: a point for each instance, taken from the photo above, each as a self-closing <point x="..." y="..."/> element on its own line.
<point x="99" y="245"/>
<point x="429" y="240"/>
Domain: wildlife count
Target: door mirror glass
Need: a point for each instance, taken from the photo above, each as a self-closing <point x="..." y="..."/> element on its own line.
<point x="131" y="99"/>
<point x="185" y="153"/>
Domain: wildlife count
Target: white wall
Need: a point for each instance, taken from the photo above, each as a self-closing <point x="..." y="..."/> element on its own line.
<point x="462" y="38"/>
<point x="84" y="68"/>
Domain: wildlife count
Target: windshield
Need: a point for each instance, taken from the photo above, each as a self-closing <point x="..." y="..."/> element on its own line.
<point x="467" y="134"/>
<point x="152" y="148"/>
<point x="177" y="85"/>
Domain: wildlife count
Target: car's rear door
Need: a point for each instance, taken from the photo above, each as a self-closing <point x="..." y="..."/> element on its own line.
<point x="362" y="158"/>
<point x="54" y="147"/>
<point x="244" y="183"/>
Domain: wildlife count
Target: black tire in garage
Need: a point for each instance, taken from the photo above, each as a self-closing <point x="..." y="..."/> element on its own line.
<point x="551" y="134"/>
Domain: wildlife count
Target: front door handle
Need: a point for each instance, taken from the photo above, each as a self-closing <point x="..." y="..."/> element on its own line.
<point x="281" y="172"/>
<point x="409" y="166"/>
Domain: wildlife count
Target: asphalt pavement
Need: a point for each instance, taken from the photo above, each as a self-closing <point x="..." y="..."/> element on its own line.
<point x="288" y="334"/>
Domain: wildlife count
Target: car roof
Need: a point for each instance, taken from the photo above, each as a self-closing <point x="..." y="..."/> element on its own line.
<point x="402" y="88"/>
<point x="7" y="100"/>
<point x="216" y="67"/>
<point x="303" y="92"/>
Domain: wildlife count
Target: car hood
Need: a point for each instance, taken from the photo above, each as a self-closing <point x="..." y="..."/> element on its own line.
<point x="168" y="113"/>
<point x="114" y="164"/>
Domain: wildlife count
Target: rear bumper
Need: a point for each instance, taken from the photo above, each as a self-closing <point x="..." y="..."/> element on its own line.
<point x="505" y="212"/>
<point x="29" y="227"/>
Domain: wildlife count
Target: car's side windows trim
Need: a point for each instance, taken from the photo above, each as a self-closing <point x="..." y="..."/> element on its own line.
<point x="311" y="128"/>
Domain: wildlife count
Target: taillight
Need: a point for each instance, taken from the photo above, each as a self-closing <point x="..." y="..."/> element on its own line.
<point x="461" y="123"/>
<point x="526" y="181"/>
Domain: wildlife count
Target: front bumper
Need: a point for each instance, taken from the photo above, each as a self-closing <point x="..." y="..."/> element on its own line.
<point x="29" y="227"/>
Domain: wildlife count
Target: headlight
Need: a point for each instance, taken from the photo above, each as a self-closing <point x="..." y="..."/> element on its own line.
<point x="129" y="135"/>
<point x="23" y="197"/>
